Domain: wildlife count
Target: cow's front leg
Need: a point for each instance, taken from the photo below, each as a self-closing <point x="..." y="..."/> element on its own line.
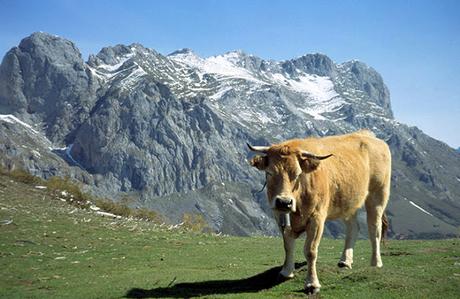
<point x="289" y="245"/>
<point x="315" y="228"/>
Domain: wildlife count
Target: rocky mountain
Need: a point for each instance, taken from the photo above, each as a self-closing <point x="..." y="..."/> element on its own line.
<point x="170" y="131"/>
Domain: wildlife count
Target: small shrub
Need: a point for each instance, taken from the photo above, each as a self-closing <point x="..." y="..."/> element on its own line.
<point x="23" y="176"/>
<point x="194" y="222"/>
<point x="121" y="209"/>
<point x="58" y="184"/>
<point x="126" y="200"/>
<point x="113" y="207"/>
<point x="149" y="215"/>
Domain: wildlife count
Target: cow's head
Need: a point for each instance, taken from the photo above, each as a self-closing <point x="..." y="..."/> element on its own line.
<point x="285" y="168"/>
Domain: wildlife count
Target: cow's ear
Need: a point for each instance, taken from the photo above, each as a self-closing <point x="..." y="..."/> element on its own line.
<point x="308" y="164"/>
<point x="259" y="162"/>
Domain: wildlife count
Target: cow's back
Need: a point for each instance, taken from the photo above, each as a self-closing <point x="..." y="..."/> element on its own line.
<point x="361" y="164"/>
<point x="360" y="151"/>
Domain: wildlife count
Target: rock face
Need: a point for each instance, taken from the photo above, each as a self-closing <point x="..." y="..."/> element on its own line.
<point x="170" y="131"/>
<point x="45" y="80"/>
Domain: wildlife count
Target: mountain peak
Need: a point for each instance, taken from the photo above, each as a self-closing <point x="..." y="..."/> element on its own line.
<point x="111" y="55"/>
<point x="51" y="69"/>
<point x="318" y="64"/>
<point x="237" y="52"/>
<point x="183" y="51"/>
<point x="40" y="35"/>
<point x="45" y="43"/>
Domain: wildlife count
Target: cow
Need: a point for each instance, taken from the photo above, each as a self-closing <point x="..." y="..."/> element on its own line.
<point x="317" y="179"/>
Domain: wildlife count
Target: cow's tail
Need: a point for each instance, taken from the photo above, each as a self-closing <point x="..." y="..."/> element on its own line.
<point x="385" y="226"/>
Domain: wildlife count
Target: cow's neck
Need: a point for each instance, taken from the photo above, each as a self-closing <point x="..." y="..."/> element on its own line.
<point x="315" y="191"/>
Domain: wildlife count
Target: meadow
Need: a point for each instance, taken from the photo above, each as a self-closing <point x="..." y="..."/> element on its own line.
<point x="52" y="249"/>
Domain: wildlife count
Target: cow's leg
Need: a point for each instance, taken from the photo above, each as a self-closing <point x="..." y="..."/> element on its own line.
<point x="289" y="246"/>
<point x="352" y="230"/>
<point x="315" y="228"/>
<point x="374" y="224"/>
<point x="375" y="206"/>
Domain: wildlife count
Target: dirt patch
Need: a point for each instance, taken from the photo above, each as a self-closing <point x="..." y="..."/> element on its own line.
<point x="396" y="253"/>
<point x="355" y="278"/>
<point x="434" y="250"/>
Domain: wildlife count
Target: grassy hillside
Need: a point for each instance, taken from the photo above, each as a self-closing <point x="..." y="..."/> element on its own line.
<point x="50" y="249"/>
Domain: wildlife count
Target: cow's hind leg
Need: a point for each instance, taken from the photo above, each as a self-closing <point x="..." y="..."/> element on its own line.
<point x="288" y="267"/>
<point x="375" y="206"/>
<point x="352" y="230"/>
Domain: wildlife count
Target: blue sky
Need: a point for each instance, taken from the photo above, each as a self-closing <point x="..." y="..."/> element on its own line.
<point x="415" y="45"/>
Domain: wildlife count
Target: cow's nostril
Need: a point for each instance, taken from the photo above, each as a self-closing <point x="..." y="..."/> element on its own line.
<point x="283" y="203"/>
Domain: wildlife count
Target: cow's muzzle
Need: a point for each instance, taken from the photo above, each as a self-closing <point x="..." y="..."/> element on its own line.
<point x="283" y="203"/>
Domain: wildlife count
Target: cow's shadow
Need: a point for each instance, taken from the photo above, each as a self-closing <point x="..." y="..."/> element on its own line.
<point x="256" y="283"/>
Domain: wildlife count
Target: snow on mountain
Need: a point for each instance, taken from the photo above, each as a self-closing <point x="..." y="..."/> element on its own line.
<point x="222" y="65"/>
<point x="232" y="73"/>
<point x="9" y="118"/>
<point x="188" y="75"/>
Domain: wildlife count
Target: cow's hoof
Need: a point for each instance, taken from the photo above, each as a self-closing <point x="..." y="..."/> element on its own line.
<point x="343" y="264"/>
<point x="377" y="264"/>
<point x="311" y="289"/>
<point x="286" y="274"/>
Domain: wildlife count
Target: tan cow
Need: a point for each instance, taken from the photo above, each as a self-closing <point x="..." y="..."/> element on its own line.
<point x="317" y="179"/>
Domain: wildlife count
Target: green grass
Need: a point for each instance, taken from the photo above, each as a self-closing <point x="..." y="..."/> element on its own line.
<point x="56" y="250"/>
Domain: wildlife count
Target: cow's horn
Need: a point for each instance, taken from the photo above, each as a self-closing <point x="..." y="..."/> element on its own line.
<point x="259" y="149"/>
<point x="313" y="156"/>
